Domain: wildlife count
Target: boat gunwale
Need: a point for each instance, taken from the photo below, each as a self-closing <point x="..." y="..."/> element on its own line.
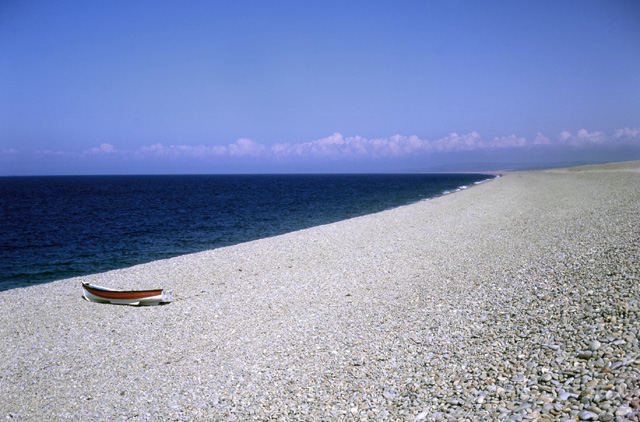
<point x="121" y="294"/>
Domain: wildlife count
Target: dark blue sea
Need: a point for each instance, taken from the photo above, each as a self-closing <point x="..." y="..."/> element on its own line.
<point x="57" y="227"/>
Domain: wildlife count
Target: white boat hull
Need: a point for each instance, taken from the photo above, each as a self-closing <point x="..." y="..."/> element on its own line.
<point x="121" y="297"/>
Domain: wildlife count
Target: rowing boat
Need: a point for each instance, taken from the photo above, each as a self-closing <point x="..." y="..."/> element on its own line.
<point x="95" y="293"/>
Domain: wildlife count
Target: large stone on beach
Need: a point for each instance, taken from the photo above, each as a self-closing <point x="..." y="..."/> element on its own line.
<point x="585" y="354"/>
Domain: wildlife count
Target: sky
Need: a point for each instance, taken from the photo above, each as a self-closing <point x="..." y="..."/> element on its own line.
<point x="175" y="87"/>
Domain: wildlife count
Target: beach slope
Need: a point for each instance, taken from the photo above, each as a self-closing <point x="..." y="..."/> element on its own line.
<point x="517" y="297"/>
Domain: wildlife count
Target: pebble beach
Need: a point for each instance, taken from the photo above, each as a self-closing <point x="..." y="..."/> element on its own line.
<point x="516" y="299"/>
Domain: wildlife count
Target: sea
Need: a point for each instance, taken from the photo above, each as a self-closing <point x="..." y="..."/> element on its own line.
<point x="56" y="227"/>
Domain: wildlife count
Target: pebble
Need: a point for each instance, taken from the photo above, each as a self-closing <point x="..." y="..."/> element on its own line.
<point x="565" y="396"/>
<point x="521" y="408"/>
<point x="588" y="416"/>
<point x="585" y="354"/>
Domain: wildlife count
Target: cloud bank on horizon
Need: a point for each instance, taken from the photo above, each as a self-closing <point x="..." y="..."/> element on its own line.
<point x="344" y="152"/>
<point x="339" y="147"/>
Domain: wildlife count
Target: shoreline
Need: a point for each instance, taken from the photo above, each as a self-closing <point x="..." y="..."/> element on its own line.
<point x="485" y="303"/>
<point x="170" y="235"/>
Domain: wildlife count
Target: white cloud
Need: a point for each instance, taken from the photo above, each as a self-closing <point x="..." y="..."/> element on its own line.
<point x="584" y="137"/>
<point x="176" y="151"/>
<point x="337" y="146"/>
<point x="103" y="148"/>
<point x="334" y="146"/>
<point x="540" y="139"/>
<point x="591" y="137"/>
<point x="455" y="142"/>
<point x="510" y="141"/>
<point x="564" y="136"/>
<point x="246" y="147"/>
<point x="156" y="149"/>
<point x="627" y="133"/>
<point x="340" y="147"/>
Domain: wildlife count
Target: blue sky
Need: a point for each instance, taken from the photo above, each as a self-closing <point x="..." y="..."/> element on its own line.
<point x="91" y="87"/>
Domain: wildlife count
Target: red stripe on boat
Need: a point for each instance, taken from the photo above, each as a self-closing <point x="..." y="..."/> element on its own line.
<point x="134" y="294"/>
